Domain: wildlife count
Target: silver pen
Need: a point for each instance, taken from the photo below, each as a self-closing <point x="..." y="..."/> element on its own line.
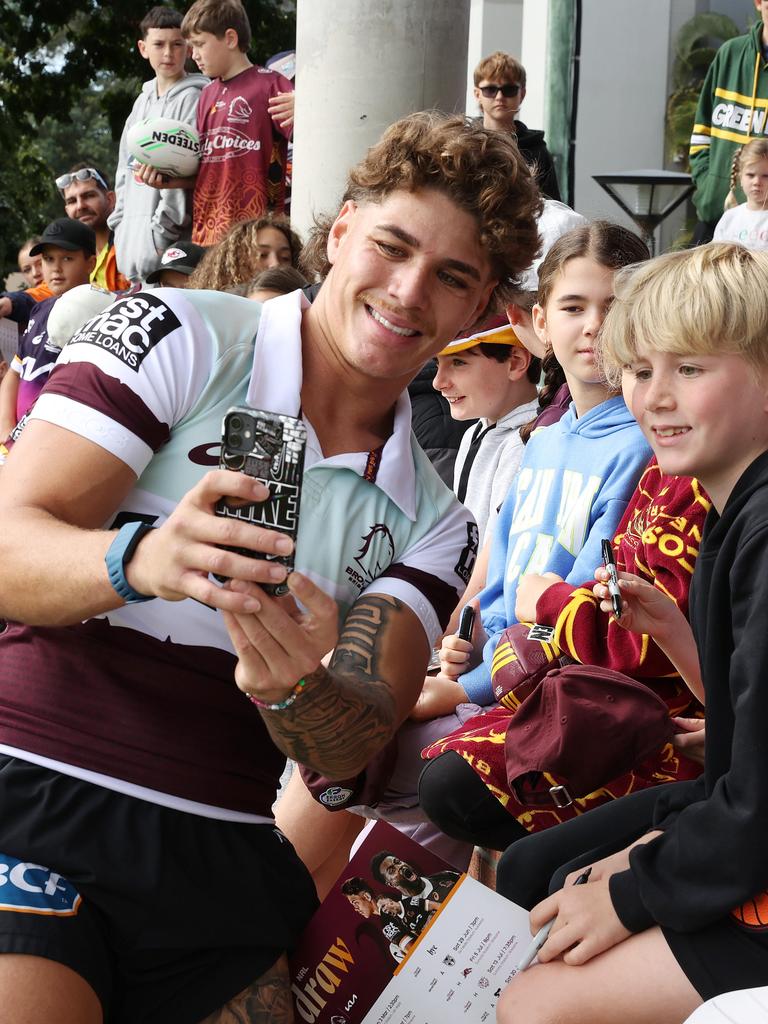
<point x="613" y="577"/>
<point x="542" y="934"/>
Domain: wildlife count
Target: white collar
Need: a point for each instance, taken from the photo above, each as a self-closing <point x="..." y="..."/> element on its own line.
<point x="275" y="385"/>
<point x="427" y="890"/>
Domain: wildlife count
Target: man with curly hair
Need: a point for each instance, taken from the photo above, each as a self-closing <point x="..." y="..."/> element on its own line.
<point x="149" y="709"/>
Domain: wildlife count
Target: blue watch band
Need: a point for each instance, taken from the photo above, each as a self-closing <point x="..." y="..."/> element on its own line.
<point x="119" y="553"/>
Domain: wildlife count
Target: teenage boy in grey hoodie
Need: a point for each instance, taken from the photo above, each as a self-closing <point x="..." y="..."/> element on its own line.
<point x="145" y="220"/>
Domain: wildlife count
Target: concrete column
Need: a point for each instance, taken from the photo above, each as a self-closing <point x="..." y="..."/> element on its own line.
<point x="534" y="60"/>
<point x="360" y="65"/>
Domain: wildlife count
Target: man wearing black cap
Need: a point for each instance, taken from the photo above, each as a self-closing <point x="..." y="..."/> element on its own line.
<point x="68" y="249"/>
<point x="177" y="263"/>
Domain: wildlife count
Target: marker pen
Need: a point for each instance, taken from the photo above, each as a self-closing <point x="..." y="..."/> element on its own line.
<point x="613" y="577"/>
<point x="542" y="934"/>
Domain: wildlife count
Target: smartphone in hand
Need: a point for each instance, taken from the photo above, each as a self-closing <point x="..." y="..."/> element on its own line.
<point x="269" y="447"/>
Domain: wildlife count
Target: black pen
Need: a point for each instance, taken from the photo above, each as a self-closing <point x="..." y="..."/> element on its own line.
<point x="613" y="577"/>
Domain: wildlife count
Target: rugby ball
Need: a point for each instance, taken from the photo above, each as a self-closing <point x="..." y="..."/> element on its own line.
<point x="170" y="146"/>
<point x="73" y="309"/>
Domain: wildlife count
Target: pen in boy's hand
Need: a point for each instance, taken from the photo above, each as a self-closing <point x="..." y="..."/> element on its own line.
<point x="542" y="934"/>
<point x="613" y="577"/>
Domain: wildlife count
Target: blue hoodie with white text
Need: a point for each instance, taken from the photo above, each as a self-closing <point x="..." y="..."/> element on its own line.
<point x="574" y="483"/>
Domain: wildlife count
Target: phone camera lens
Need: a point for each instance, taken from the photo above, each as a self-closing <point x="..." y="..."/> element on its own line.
<point x="236" y="423"/>
<point x="235" y="440"/>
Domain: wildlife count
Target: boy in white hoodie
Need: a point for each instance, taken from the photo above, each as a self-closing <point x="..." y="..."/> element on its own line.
<point x="492" y="377"/>
<point x="146" y="221"/>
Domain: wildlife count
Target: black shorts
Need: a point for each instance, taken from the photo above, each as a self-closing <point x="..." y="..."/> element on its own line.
<point x="721" y="957"/>
<point x="166" y="915"/>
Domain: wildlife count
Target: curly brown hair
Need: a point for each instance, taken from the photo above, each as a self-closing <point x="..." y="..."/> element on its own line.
<point x="479" y="169"/>
<point x="235" y="259"/>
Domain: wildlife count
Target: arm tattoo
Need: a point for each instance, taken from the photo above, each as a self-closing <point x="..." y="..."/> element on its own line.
<point x="356" y="653"/>
<point x="266" y="1001"/>
<point x="347" y="712"/>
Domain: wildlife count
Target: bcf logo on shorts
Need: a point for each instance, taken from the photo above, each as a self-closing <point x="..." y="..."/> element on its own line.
<point x="33" y="889"/>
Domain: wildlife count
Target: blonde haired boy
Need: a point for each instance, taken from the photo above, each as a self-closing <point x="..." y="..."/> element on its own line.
<point x="684" y="900"/>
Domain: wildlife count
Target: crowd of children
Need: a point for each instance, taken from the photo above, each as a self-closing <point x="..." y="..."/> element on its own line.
<point x="617" y="421"/>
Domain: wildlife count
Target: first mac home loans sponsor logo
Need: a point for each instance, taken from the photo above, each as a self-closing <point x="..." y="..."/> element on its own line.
<point x="32" y="889"/>
<point x="130" y="328"/>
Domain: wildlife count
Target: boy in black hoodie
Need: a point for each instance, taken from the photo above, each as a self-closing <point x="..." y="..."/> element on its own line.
<point x="676" y="911"/>
<point x="500" y="91"/>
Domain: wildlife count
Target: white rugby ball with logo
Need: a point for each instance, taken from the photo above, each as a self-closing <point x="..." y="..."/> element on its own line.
<point x="170" y="146"/>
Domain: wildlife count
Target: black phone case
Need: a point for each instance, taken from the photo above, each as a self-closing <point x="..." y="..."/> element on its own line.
<point x="269" y="447"/>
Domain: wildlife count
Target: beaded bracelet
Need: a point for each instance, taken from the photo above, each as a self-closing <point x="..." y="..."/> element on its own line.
<point x="283" y="704"/>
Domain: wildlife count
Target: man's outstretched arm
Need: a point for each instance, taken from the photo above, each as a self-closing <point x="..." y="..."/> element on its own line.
<point x="61" y="488"/>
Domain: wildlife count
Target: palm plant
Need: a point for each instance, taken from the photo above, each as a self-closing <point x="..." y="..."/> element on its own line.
<point x="695" y="46"/>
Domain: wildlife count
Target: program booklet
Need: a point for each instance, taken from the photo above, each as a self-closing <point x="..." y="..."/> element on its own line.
<point x="403" y="939"/>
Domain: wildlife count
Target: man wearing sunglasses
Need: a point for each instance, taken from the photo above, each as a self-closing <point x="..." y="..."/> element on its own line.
<point x="89" y="199"/>
<point x="500" y="91"/>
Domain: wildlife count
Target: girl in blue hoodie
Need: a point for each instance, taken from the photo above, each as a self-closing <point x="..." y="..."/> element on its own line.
<point x="577" y="475"/>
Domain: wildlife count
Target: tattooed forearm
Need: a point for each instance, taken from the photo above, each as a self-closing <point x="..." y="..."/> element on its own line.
<point x="348" y="711"/>
<point x="266" y="1001"/>
<point x="357" y="653"/>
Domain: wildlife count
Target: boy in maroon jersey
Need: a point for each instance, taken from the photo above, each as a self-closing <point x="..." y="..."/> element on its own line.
<point x="244" y="149"/>
<point x="244" y="118"/>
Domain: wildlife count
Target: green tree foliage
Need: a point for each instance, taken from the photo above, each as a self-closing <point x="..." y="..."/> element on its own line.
<point x="69" y="73"/>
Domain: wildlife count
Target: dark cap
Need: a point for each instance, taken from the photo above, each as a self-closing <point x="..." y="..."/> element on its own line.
<point x="67" y="234"/>
<point x="182" y="257"/>
<point x="581" y="728"/>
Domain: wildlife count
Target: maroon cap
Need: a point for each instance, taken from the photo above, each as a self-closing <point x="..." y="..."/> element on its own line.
<point x="581" y="728"/>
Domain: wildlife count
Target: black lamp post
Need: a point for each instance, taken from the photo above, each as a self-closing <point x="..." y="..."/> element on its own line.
<point x="648" y="197"/>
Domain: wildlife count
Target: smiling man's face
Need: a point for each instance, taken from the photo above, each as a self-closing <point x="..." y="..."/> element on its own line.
<point x="407" y="273"/>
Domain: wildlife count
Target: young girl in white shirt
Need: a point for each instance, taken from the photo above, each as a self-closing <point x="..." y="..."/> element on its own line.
<point x="747" y="223"/>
